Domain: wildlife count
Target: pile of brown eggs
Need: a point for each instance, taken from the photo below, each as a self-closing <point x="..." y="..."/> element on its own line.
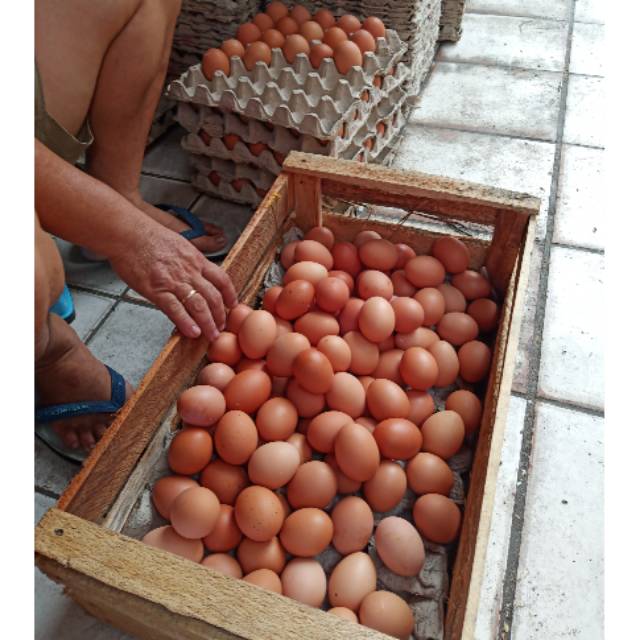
<point x="317" y="411"/>
<point x="296" y="31"/>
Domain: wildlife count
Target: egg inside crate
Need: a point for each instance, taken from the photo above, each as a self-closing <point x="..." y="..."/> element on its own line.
<point x="340" y="403"/>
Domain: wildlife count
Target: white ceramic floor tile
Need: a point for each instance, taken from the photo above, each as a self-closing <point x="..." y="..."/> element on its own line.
<point x="560" y="576"/>
<point x="498" y="545"/>
<point x="519" y="165"/>
<point x="591" y="11"/>
<point x="84" y="273"/>
<point x="167" y="191"/>
<point x="581" y="203"/>
<point x="572" y="363"/>
<point x="90" y="310"/>
<point x="131" y="338"/>
<point x="586" y="113"/>
<point x="505" y="40"/>
<point x="52" y="472"/>
<point x="471" y="97"/>
<point x="551" y="9"/>
<point x="588" y="51"/>
<point x="166" y="158"/>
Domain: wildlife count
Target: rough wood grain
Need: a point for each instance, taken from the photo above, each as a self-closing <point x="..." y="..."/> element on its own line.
<point x="140" y="581"/>
<point x="308" y="200"/>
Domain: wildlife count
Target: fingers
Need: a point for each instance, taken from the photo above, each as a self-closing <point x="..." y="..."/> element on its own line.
<point x="215" y="302"/>
<point x="201" y="310"/>
<point x="222" y="282"/>
<point x="173" y="308"/>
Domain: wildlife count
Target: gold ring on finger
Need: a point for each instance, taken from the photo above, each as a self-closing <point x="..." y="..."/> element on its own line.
<point x="189" y="295"/>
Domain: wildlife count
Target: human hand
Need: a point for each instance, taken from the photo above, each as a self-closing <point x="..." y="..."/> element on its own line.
<point x="165" y="268"/>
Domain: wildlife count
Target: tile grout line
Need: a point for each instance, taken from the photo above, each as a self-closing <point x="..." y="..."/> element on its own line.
<point x="577" y="247"/>
<point x="47" y="493"/>
<point x="561" y="404"/>
<point x="479" y="12"/>
<point x="505" y="67"/>
<point x="509" y="586"/>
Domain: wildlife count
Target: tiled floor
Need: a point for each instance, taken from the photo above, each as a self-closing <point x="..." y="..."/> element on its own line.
<point x="517" y="103"/>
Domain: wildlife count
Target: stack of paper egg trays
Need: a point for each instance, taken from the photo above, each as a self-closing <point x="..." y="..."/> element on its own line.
<point x="240" y="127"/>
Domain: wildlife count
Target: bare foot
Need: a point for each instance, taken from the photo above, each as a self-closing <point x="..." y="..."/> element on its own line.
<point x="76" y="376"/>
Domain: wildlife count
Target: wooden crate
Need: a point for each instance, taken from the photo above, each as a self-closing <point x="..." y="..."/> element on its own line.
<point x="153" y="594"/>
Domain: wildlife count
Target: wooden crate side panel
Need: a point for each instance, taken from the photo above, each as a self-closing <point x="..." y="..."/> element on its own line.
<point x="188" y="591"/>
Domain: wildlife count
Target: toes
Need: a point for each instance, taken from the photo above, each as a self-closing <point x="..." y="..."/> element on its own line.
<point x="86" y="439"/>
<point x="209" y="244"/>
<point x="99" y="430"/>
<point x="70" y="438"/>
<point x="213" y="230"/>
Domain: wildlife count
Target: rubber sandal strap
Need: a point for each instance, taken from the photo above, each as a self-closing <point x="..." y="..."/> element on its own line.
<point x="55" y="412"/>
<point x="197" y="229"/>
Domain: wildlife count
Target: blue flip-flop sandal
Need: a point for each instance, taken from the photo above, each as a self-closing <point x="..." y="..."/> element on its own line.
<point x="64" y="307"/>
<point x="196" y="227"/>
<point x="54" y="412"/>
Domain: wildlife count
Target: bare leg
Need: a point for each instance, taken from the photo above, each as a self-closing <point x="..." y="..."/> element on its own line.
<point x="66" y="371"/>
<point x="109" y="59"/>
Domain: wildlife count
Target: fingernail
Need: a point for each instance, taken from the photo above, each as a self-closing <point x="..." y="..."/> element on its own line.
<point x="195" y="330"/>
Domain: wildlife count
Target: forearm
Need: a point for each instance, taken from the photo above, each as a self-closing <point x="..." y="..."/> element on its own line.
<point x="76" y="207"/>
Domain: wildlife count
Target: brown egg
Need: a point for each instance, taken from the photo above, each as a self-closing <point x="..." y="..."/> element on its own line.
<point x="194" y="512"/>
<point x="324" y="428"/>
<point x="475" y="361"/>
<point x="364" y="40"/>
<point x="254" y="555"/>
<point x="287" y="255"/>
<point x="347" y="55"/>
<point x="281" y="355"/>
<point x="337" y="351"/>
<point x="485" y="312"/>
<point x="389" y="366"/>
<point x="315" y="325"/>
<point x="468" y="406"/>
<point x="246" y="363"/>
<point x="409" y="314"/>
<point x="225" y="535"/>
<point x="300" y="14"/>
<point x="214" y="60"/>
<point x="457" y="328"/>
<point x="237" y="316"/>
<point x="233" y="47"/>
<point x="247" y="33"/>
<point x="323" y="235"/>
<point x="345" y="258"/>
<point x="313" y="251"/>
<point x="422" y="406"/>
<point x="418" y="368"/>
<point x="472" y="284"/>
<point x="448" y="364"/>
<point x="257" y="334"/>
<point x="313" y="485"/>
<point x="345" y="277"/>
<point x="343" y="612"/>
<point x="276" y="419"/>
<point x="273" y="38"/>
<point x="304" y="580"/>
<point x="352" y="525"/>
<point x="349" y="315"/>
<point x="259" y="513"/>
<point x="424" y="271"/>
<point x="295" y="299"/>
<point x="225" y="348"/>
<point x="334" y="36"/>
<point x="453" y="298"/>
<point x="318" y="53"/>
<point x="190" y="451"/>
<point x="348" y="23"/>
<point x="399" y="546"/>
<point x="388" y="613"/>
<point x="453" y="254"/>
<point x="351" y="580"/>
<point x="270" y="298"/>
<point x="365" y="381"/>
<point x="386" y="399"/>
<point x="376" y="320"/>
<point x="356" y="452"/>
<point x="306" y="532"/>
<point x="306" y="403"/>
<point x="428" y="473"/>
<point x="378" y="254"/>
<point x="331" y="294"/>
<point x="437" y="517"/>
<point x="230" y="141"/>
<point x="167" y="489"/>
<point x="263" y="21"/>
<point x="276" y="10"/>
<point x="264" y="578"/>
<point x="401" y="286"/>
<point x="397" y="438"/>
<point x="248" y="391"/>
<point x="443" y="434"/>
<point x="374" y="26"/>
<point x="225" y="480"/>
<point x="282" y="327"/>
<point x="236" y="437"/>
<point x="279" y="387"/>
<point x="223" y="563"/>
<point x="300" y="443"/>
<point x="345" y="485"/>
<point x="346" y="395"/>
<point x="420" y="337"/>
<point x="311" y="30"/>
<point x="387" y="487"/>
<point x="295" y="44"/>
<point x="201" y="406"/>
<point x="364" y="354"/>
<point x="433" y="305"/>
<point x="273" y="465"/>
<point x="257" y="52"/>
<point x="167" y="539"/>
<point x="287" y="26"/>
<point x="306" y="270"/>
<point x="216" y="374"/>
<point x="372" y="283"/>
<point x="324" y="18"/>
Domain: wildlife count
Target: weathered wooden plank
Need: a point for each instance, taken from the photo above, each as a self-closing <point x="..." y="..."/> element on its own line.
<point x="308" y="200"/>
